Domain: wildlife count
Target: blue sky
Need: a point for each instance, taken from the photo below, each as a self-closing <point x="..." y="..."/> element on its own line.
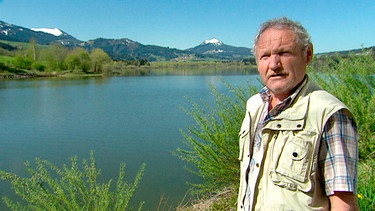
<point x="334" y="25"/>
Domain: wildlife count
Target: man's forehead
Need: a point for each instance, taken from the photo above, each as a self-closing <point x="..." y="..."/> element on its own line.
<point x="277" y="37"/>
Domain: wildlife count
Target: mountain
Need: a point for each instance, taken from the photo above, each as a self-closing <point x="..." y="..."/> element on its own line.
<point x="213" y="41"/>
<point x="15" y="33"/>
<point x="122" y="49"/>
<point x="215" y="48"/>
<point x="128" y="49"/>
<point x="119" y="49"/>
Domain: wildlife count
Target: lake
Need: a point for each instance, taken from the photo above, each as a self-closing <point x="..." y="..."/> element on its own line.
<point x="133" y="120"/>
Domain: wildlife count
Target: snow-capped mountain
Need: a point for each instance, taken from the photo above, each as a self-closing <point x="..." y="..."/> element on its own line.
<point x="214" y="48"/>
<point x="43" y="36"/>
<point x="123" y="49"/>
<point x="213" y="41"/>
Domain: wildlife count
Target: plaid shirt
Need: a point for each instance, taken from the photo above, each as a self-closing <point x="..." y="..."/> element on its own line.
<point x="338" y="156"/>
<point x="338" y="153"/>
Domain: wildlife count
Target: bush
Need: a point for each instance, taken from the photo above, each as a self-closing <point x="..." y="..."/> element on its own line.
<point x="22" y="63"/>
<point x="74" y="189"/>
<point x="38" y="66"/>
<point x="212" y="143"/>
<point x="351" y="79"/>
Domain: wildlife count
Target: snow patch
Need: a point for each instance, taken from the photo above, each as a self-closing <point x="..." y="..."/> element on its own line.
<point x="54" y="31"/>
<point x="4" y="32"/>
<point x="213" y="41"/>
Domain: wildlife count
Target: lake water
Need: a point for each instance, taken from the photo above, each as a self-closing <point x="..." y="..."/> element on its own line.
<point x="133" y="120"/>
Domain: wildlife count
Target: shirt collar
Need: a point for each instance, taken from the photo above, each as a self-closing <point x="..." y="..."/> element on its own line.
<point x="265" y="93"/>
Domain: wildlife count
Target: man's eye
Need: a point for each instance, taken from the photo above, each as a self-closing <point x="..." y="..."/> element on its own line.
<point x="285" y="53"/>
<point x="264" y="57"/>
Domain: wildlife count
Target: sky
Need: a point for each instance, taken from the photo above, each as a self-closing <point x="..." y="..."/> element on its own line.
<point x="334" y="25"/>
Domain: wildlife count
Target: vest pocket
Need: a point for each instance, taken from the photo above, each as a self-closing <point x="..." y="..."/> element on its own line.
<point x="295" y="159"/>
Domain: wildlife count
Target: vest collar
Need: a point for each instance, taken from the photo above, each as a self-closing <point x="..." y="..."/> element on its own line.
<point x="293" y="117"/>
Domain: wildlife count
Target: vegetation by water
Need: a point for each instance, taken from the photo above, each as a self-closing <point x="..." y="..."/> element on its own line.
<point x="72" y="187"/>
<point x="21" y="60"/>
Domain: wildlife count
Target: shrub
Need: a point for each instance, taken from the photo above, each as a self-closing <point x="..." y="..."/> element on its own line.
<point x="212" y="143"/>
<point x="351" y="79"/>
<point x="73" y="189"/>
<point x="22" y="63"/>
<point x="38" y="66"/>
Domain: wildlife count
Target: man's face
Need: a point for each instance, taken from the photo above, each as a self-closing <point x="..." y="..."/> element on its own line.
<point x="281" y="61"/>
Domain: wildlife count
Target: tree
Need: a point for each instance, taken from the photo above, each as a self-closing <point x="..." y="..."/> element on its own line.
<point x="98" y="58"/>
<point x="54" y="56"/>
<point x="32" y="50"/>
<point x="78" y="59"/>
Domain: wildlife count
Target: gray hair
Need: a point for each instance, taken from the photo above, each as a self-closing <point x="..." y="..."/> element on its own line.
<point x="303" y="36"/>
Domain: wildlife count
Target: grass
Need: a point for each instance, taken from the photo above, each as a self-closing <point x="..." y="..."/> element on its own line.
<point x="366" y="185"/>
<point x="223" y="200"/>
<point x="6" y="59"/>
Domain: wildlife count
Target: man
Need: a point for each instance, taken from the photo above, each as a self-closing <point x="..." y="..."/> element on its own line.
<point x="298" y="143"/>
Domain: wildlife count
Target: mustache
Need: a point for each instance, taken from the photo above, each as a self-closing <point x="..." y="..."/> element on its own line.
<point x="277" y="73"/>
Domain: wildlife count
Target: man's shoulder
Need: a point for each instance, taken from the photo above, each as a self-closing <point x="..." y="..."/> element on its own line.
<point x="322" y="101"/>
<point x="255" y="97"/>
<point x="255" y="100"/>
<point x="324" y="97"/>
<point x="317" y="94"/>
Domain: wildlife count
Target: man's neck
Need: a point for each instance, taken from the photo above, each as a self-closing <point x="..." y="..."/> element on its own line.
<point x="276" y="99"/>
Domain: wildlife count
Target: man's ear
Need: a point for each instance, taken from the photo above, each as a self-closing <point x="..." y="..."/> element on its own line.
<point x="309" y="53"/>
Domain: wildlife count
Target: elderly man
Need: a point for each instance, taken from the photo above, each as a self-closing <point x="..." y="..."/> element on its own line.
<point x="298" y="143"/>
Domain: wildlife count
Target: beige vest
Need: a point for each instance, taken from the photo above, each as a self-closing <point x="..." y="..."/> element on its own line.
<point x="288" y="178"/>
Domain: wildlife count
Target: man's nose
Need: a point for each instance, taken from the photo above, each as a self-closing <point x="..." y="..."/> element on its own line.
<point x="275" y="62"/>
